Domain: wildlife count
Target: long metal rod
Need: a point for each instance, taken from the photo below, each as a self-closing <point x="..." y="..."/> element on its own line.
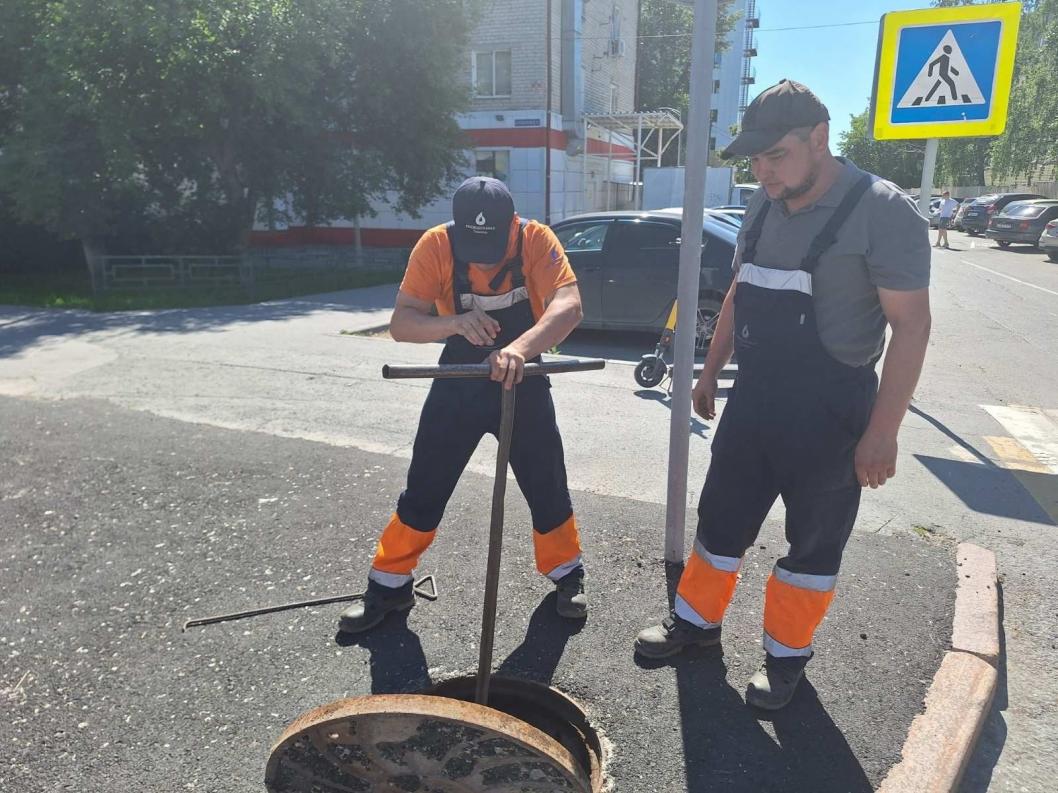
<point x="690" y="270"/>
<point x="483" y="369"/>
<point x="492" y="569"/>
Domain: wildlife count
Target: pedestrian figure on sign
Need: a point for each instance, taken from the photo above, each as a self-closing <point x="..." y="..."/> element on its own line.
<point x="944" y="72"/>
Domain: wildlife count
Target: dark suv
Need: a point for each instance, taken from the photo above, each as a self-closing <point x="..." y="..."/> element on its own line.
<point x="627" y="266"/>
<point x="1022" y="221"/>
<point x="975" y="219"/>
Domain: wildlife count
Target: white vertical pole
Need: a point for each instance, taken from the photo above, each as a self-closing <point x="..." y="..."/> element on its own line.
<point x="702" y="48"/>
<point x="637" y="187"/>
<point x="584" y="173"/>
<point x="929" y="165"/>
<point x="609" y="165"/>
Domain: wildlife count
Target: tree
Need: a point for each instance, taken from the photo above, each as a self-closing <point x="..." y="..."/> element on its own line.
<point x="1031" y="137"/>
<point x="899" y="161"/>
<point x="1030" y="142"/>
<point x="170" y="125"/>
<point x="664" y="54"/>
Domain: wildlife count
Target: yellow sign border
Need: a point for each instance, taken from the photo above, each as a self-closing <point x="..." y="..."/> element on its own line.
<point x="885" y="71"/>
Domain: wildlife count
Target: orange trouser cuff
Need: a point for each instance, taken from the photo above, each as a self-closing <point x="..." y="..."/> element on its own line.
<point x="558" y="549"/>
<point x="792" y="613"/>
<point x="400" y="547"/>
<point x="707" y="586"/>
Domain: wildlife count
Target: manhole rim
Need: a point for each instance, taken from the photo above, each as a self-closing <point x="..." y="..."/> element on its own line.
<point x="430" y="706"/>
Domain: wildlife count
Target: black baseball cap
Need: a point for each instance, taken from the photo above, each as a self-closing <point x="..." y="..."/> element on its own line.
<point x="482" y="211"/>
<point x="776" y="111"/>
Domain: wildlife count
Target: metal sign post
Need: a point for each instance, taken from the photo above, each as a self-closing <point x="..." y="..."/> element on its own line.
<point x="929" y="165"/>
<point x="702" y="47"/>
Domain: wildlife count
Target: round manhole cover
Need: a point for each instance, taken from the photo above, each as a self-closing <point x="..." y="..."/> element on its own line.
<point x="413" y="743"/>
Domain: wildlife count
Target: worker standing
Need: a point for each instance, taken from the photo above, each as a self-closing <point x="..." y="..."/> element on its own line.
<point x="827" y="256"/>
<point x="504" y="292"/>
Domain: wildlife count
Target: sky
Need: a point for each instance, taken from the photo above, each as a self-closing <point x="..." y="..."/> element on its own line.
<point x="837" y="63"/>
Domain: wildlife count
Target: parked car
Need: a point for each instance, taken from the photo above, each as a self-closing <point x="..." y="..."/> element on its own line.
<point x="627" y="266"/>
<point x="730" y="217"/>
<point x="956" y="222"/>
<point x="975" y="220"/>
<point x="736" y="213"/>
<point x="1022" y="222"/>
<point x="1049" y="240"/>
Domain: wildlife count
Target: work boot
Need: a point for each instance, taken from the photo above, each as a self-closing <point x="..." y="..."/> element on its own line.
<point x="372" y="608"/>
<point x="774" y="684"/>
<point x="674" y="635"/>
<point x="571" y="603"/>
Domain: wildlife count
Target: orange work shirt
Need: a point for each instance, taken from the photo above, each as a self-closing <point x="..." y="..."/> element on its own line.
<point x="429" y="274"/>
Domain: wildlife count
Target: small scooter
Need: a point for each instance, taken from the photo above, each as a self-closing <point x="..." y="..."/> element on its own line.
<point x="653" y="369"/>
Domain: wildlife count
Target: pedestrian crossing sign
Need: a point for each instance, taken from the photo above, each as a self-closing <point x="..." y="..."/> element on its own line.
<point x="944" y="72"/>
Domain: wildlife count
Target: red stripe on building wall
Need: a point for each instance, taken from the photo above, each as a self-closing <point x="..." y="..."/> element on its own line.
<point x="534" y="137"/>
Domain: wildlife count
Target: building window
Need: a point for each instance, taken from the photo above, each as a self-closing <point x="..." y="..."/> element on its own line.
<point x="713" y="115"/>
<point x="716" y="86"/>
<point x="613" y="98"/>
<point x="718" y="58"/>
<point x="491" y="73"/>
<point x="712" y="144"/>
<point x="493" y="162"/>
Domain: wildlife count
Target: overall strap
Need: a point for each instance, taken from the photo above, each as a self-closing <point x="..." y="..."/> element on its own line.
<point x="513" y="266"/>
<point x="460" y="273"/>
<point x="827" y="236"/>
<point x="749" y="250"/>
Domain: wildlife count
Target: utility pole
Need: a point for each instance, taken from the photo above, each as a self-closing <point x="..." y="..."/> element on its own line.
<point x="702" y="47"/>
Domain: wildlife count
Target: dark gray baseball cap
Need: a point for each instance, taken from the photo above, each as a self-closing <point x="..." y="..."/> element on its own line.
<point x="482" y="211"/>
<point x="775" y="112"/>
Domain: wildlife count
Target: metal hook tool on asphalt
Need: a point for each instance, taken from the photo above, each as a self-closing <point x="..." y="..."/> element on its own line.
<point x="420" y="589"/>
<point x="499" y="489"/>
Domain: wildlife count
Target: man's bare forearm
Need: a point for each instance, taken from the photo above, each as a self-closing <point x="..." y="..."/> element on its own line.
<point x="559" y="320"/>
<point x="900" y="373"/>
<point x="722" y="345"/>
<point x="409" y="324"/>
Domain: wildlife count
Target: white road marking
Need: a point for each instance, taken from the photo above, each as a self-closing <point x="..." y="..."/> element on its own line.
<point x="1032" y="428"/>
<point x="1010" y="278"/>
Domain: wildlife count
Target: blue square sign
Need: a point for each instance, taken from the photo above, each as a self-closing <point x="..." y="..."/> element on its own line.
<point x="945" y="72"/>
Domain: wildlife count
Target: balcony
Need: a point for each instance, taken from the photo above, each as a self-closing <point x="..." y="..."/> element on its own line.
<point x="751" y="52"/>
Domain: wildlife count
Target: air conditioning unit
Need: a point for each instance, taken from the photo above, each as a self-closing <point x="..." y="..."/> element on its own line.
<point x="617" y="48"/>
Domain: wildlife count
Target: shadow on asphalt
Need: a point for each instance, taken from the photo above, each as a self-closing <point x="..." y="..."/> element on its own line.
<point x="540" y="652"/>
<point x="982" y="764"/>
<point x="25" y="327"/>
<point x="726" y="745"/>
<point x="984" y="486"/>
<point x="397" y="663"/>
<point x="698" y="427"/>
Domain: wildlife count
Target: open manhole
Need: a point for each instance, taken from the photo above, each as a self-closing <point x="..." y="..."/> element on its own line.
<point x="531" y="739"/>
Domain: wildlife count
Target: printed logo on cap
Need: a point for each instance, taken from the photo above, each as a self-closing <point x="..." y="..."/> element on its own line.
<point x="480" y="225"/>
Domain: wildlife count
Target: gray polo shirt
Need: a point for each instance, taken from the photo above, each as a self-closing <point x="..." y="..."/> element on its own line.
<point x="884" y="244"/>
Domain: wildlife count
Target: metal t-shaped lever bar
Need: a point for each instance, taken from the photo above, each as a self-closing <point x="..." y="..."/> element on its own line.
<point x="499" y="488"/>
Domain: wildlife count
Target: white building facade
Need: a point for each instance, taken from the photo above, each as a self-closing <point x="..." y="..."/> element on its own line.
<point x="734" y="75"/>
<point x="526" y="117"/>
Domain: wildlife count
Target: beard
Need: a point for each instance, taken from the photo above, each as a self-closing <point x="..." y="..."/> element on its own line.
<point x="800" y="189"/>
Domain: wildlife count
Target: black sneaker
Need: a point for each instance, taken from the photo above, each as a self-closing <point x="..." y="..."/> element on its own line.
<point x="774" y="684"/>
<point x="673" y="636"/>
<point x="571" y="602"/>
<point x="372" y="608"/>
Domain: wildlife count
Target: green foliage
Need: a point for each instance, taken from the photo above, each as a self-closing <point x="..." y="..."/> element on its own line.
<point x="166" y="126"/>
<point x="899" y="161"/>
<point x="664" y="54"/>
<point x="1031" y="138"/>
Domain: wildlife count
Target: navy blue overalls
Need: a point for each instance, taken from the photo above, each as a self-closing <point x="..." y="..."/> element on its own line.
<point x="457" y="413"/>
<point x="790" y="428"/>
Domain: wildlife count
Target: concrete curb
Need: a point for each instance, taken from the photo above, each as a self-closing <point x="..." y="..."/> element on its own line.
<point x="943" y="736"/>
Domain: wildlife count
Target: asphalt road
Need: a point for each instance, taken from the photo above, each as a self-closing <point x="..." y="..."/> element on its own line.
<point x="979" y="452"/>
